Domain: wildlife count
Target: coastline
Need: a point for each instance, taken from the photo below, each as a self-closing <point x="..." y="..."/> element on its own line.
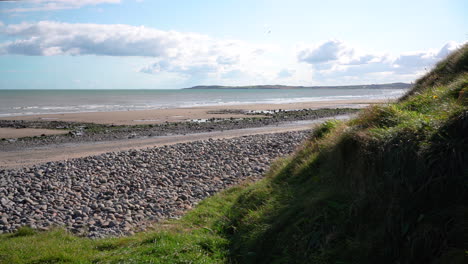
<point x="56" y="152"/>
<point x="158" y="116"/>
<point x="203" y="158"/>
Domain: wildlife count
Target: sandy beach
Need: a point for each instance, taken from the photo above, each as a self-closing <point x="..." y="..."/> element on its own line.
<point x="158" y="116"/>
<point x="28" y="153"/>
<point x="6" y="132"/>
<point x="29" y="157"/>
<point x="57" y="152"/>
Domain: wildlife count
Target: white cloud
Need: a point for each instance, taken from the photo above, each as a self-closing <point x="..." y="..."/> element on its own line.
<point x="412" y="62"/>
<point x="188" y="55"/>
<point x="335" y="59"/>
<point x="325" y="52"/>
<point x="331" y="52"/>
<point x="285" y="73"/>
<point x="235" y="74"/>
<point x="50" y="5"/>
<point x="201" y="58"/>
<point x="227" y="60"/>
<point x="448" y="48"/>
<point x="186" y="69"/>
<point x="174" y="51"/>
<point x="85" y="39"/>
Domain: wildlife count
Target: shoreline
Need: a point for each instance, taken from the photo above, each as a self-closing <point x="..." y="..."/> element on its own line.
<point x="89" y="132"/>
<point x="102" y="187"/>
<point x="56" y="152"/>
<point x="158" y="116"/>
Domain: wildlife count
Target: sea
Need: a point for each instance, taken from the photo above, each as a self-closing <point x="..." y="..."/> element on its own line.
<point x="32" y="102"/>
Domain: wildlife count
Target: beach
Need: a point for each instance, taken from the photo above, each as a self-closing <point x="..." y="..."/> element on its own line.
<point x="118" y="193"/>
<point x="56" y="152"/>
<point x="103" y="174"/>
<point x="6" y="132"/>
<point x="158" y="116"/>
<point x="233" y="132"/>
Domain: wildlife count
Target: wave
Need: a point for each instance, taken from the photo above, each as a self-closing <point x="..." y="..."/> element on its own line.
<point x="162" y="104"/>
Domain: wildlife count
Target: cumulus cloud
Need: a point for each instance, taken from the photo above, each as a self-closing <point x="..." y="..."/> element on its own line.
<point x="201" y="68"/>
<point x="186" y="53"/>
<point x="327" y="51"/>
<point x="235" y="74"/>
<point x="50" y="5"/>
<point x="85" y="39"/>
<point x="364" y="59"/>
<point x="285" y="73"/>
<point x="331" y="52"/>
<point x="227" y="60"/>
<point x="417" y="61"/>
<point x="336" y="59"/>
<point x="200" y="57"/>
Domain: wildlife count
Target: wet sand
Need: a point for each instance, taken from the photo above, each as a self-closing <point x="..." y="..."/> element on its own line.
<point x="6" y="132"/>
<point x="38" y="155"/>
<point x="55" y="152"/>
<point x="158" y="116"/>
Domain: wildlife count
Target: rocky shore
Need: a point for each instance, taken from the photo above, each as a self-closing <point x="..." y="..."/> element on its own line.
<point x="88" y="132"/>
<point x="118" y="193"/>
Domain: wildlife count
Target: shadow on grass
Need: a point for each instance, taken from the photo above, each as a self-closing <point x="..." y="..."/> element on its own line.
<point x="362" y="201"/>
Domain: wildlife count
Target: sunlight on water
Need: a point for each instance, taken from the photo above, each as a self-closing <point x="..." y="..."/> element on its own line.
<point x="29" y="102"/>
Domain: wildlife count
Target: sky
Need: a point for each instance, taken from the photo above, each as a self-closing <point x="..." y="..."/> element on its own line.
<point x="143" y="44"/>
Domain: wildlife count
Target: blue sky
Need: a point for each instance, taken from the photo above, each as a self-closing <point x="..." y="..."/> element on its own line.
<point x="129" y="44"/>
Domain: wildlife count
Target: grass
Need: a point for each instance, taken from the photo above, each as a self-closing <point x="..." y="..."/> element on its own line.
<point x="193" y="239"/>
<point x="387" y="187"/>
<point x="390" y="186"/>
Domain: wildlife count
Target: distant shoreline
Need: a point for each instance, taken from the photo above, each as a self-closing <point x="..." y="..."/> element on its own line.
<point x="287" y="87"/>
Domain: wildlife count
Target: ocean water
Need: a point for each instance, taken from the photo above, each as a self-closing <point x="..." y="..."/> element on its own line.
<point x="30" y="102"/>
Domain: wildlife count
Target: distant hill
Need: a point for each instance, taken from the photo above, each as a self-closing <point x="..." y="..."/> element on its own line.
<point x="366" y="86"/>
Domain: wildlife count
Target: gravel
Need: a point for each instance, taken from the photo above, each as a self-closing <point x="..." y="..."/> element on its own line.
<point x="118" y="193"/>
<point x="82" y="132"/>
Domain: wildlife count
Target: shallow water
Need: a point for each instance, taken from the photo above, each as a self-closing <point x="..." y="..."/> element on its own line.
<point x="29" y="102"/>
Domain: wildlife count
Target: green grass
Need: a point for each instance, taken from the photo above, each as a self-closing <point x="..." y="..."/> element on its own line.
<point x="193" y="239"/>
<point x="390" y="186"/>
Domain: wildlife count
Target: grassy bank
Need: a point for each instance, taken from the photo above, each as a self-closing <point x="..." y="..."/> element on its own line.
<point x="390" y="186"/>
<point x="193" y="239"/>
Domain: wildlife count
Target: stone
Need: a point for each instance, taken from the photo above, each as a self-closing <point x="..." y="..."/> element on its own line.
<point x="115" y="193"/>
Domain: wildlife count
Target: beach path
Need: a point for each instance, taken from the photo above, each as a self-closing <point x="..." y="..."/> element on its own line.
<point x="37" y="155"/>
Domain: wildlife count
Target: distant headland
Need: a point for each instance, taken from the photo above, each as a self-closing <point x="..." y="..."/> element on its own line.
<point x="365" y="86"/>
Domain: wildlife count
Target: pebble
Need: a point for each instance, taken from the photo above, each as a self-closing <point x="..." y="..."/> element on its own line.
<point x="118" y="193"/>
<point x="85" y="133"/>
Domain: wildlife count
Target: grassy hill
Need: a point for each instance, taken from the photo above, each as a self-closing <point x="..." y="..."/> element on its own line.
<point x="390" y="186"/>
